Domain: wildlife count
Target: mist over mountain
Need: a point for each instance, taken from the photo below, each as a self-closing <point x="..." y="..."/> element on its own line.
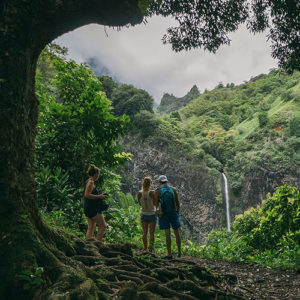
<point x="100" y="68"/>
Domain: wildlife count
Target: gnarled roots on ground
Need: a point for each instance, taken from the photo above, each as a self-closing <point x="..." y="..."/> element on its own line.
<point x="109" y="271"/>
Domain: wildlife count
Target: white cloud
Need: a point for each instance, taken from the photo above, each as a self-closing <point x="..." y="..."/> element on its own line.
<point x="136" y="55"/>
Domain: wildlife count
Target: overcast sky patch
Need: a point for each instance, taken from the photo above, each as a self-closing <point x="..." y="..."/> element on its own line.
<point x="136" y="56"/>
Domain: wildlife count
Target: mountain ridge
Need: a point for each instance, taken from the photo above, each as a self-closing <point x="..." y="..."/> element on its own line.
<point x="170" y="103"/>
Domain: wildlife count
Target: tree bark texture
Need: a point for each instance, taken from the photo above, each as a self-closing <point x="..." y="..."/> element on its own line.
<point x="25" y="29"/>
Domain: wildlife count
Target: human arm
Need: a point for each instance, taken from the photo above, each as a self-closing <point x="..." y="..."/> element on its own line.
<point x="88" y="192"/>
<point x="156" y="197"/>
<point x="177" y="203"/>
<point x="139" y="195"/>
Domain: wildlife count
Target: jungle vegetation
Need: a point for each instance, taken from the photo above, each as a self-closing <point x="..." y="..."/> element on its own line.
<point x="224" y="128"/>
<point x="26" y="27"/>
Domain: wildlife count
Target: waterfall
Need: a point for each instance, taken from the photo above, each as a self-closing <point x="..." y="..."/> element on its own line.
<point x="227" y="201"/>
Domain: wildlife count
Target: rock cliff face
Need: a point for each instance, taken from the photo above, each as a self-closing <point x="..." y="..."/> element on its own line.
<point x="258" y="183"/>
<point x="197" y="188"/>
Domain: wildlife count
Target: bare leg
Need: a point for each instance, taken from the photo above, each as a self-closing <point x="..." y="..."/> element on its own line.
<point x="151" y="233"/>
<point x="91" y="228"/>
<point x="168" y="241"/>
<point x="178" y="241"/>
<point x="94" y="227"/>
<point x="145" y="233"/>
<point x="101" y="226"/>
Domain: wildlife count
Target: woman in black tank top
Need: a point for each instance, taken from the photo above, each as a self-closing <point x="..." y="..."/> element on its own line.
<point x="92" y="207"/>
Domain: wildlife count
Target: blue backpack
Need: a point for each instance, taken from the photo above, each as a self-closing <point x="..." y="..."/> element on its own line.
<point x="167" y="199"/>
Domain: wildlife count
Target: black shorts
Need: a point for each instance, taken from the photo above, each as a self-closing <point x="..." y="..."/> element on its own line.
<point x="148" y="218"/>
<point x="92" y="210"/>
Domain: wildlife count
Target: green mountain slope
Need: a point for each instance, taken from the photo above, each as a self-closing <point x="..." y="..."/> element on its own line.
<point x="251" y="126"/>
<point x="267" y="104"/>
<point x="171" y="103"/>
<point x="252" y="131"/>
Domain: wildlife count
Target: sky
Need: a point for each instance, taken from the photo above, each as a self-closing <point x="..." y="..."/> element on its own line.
<point x="137" y="56"/>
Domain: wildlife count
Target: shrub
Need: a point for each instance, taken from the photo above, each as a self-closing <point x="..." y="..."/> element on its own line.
<point x="286" y="95"/>
<point x="211" y="162"/>
<point x="124" y="226"/>
<point x="199" y="153"/>
<point x="226" y="121"/>
<point x="268" y="234"/>
<point x="146" y="123"/>
<point x="294" y="126"/>
<point x="55" y="193"/>
<point x="175" y="115"/>
<point x="279" y="214"/>
<point x="293" y="143"/>
<point x="278" y="119"/>
<point x="262" y="119"/>
<point x="249" y="220"/>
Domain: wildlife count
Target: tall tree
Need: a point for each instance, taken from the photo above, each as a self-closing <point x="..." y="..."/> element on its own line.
<point x="27" y="243"/>
<point x="108" y="85"/>
<point x="126" y="99"/>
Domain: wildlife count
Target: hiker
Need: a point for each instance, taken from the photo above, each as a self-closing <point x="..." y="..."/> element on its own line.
<point x="148" y="218"/>
<point x="167" y="197"/>
<point x="94" y="205"/>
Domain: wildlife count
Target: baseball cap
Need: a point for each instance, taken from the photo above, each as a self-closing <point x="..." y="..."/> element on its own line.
<point x="162" y="178"/>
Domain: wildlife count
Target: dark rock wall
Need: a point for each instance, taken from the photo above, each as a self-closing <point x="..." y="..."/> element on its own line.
<point x="258" y="183"/>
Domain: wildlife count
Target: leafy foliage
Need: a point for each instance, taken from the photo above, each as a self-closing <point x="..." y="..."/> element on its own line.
<point x="268" y="234"/>
<point x="278" y="216"/>
<point x="146" y="123"/>
<point x="31" y="278"/>
<point x="108" y="85"/>
<point x="55" y="193"/>
<point x="75" y="122"/>
<point x="128" y="100"/>
<point x="294" y="126"/>
<point x="262" y="119"/>
<point x="202" y="23"/>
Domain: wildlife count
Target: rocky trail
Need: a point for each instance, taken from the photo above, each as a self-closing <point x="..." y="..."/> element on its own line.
<point x="254" y="281"/>
<point x="121" y="272"/>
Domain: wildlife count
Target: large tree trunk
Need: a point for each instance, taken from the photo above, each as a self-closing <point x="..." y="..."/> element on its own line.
<point x="26" y="242"/>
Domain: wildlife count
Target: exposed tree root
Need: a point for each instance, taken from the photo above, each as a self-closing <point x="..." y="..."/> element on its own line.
<point x="91" y="269"/>
<point x="102" y="271"/>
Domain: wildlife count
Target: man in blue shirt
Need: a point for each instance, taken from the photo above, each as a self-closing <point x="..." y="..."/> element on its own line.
<point x="167" y="198"/>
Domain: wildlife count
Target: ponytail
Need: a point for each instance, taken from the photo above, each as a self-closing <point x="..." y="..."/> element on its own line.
<point x="147" y="183"/>
<point x="92" y="170"/>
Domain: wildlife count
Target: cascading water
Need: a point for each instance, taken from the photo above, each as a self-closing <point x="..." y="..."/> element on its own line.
<point x="227" y="201"/>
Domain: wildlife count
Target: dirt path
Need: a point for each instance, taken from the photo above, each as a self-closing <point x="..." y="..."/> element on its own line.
<point x="121" y="272"/>
<point x="256" y="281"/>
